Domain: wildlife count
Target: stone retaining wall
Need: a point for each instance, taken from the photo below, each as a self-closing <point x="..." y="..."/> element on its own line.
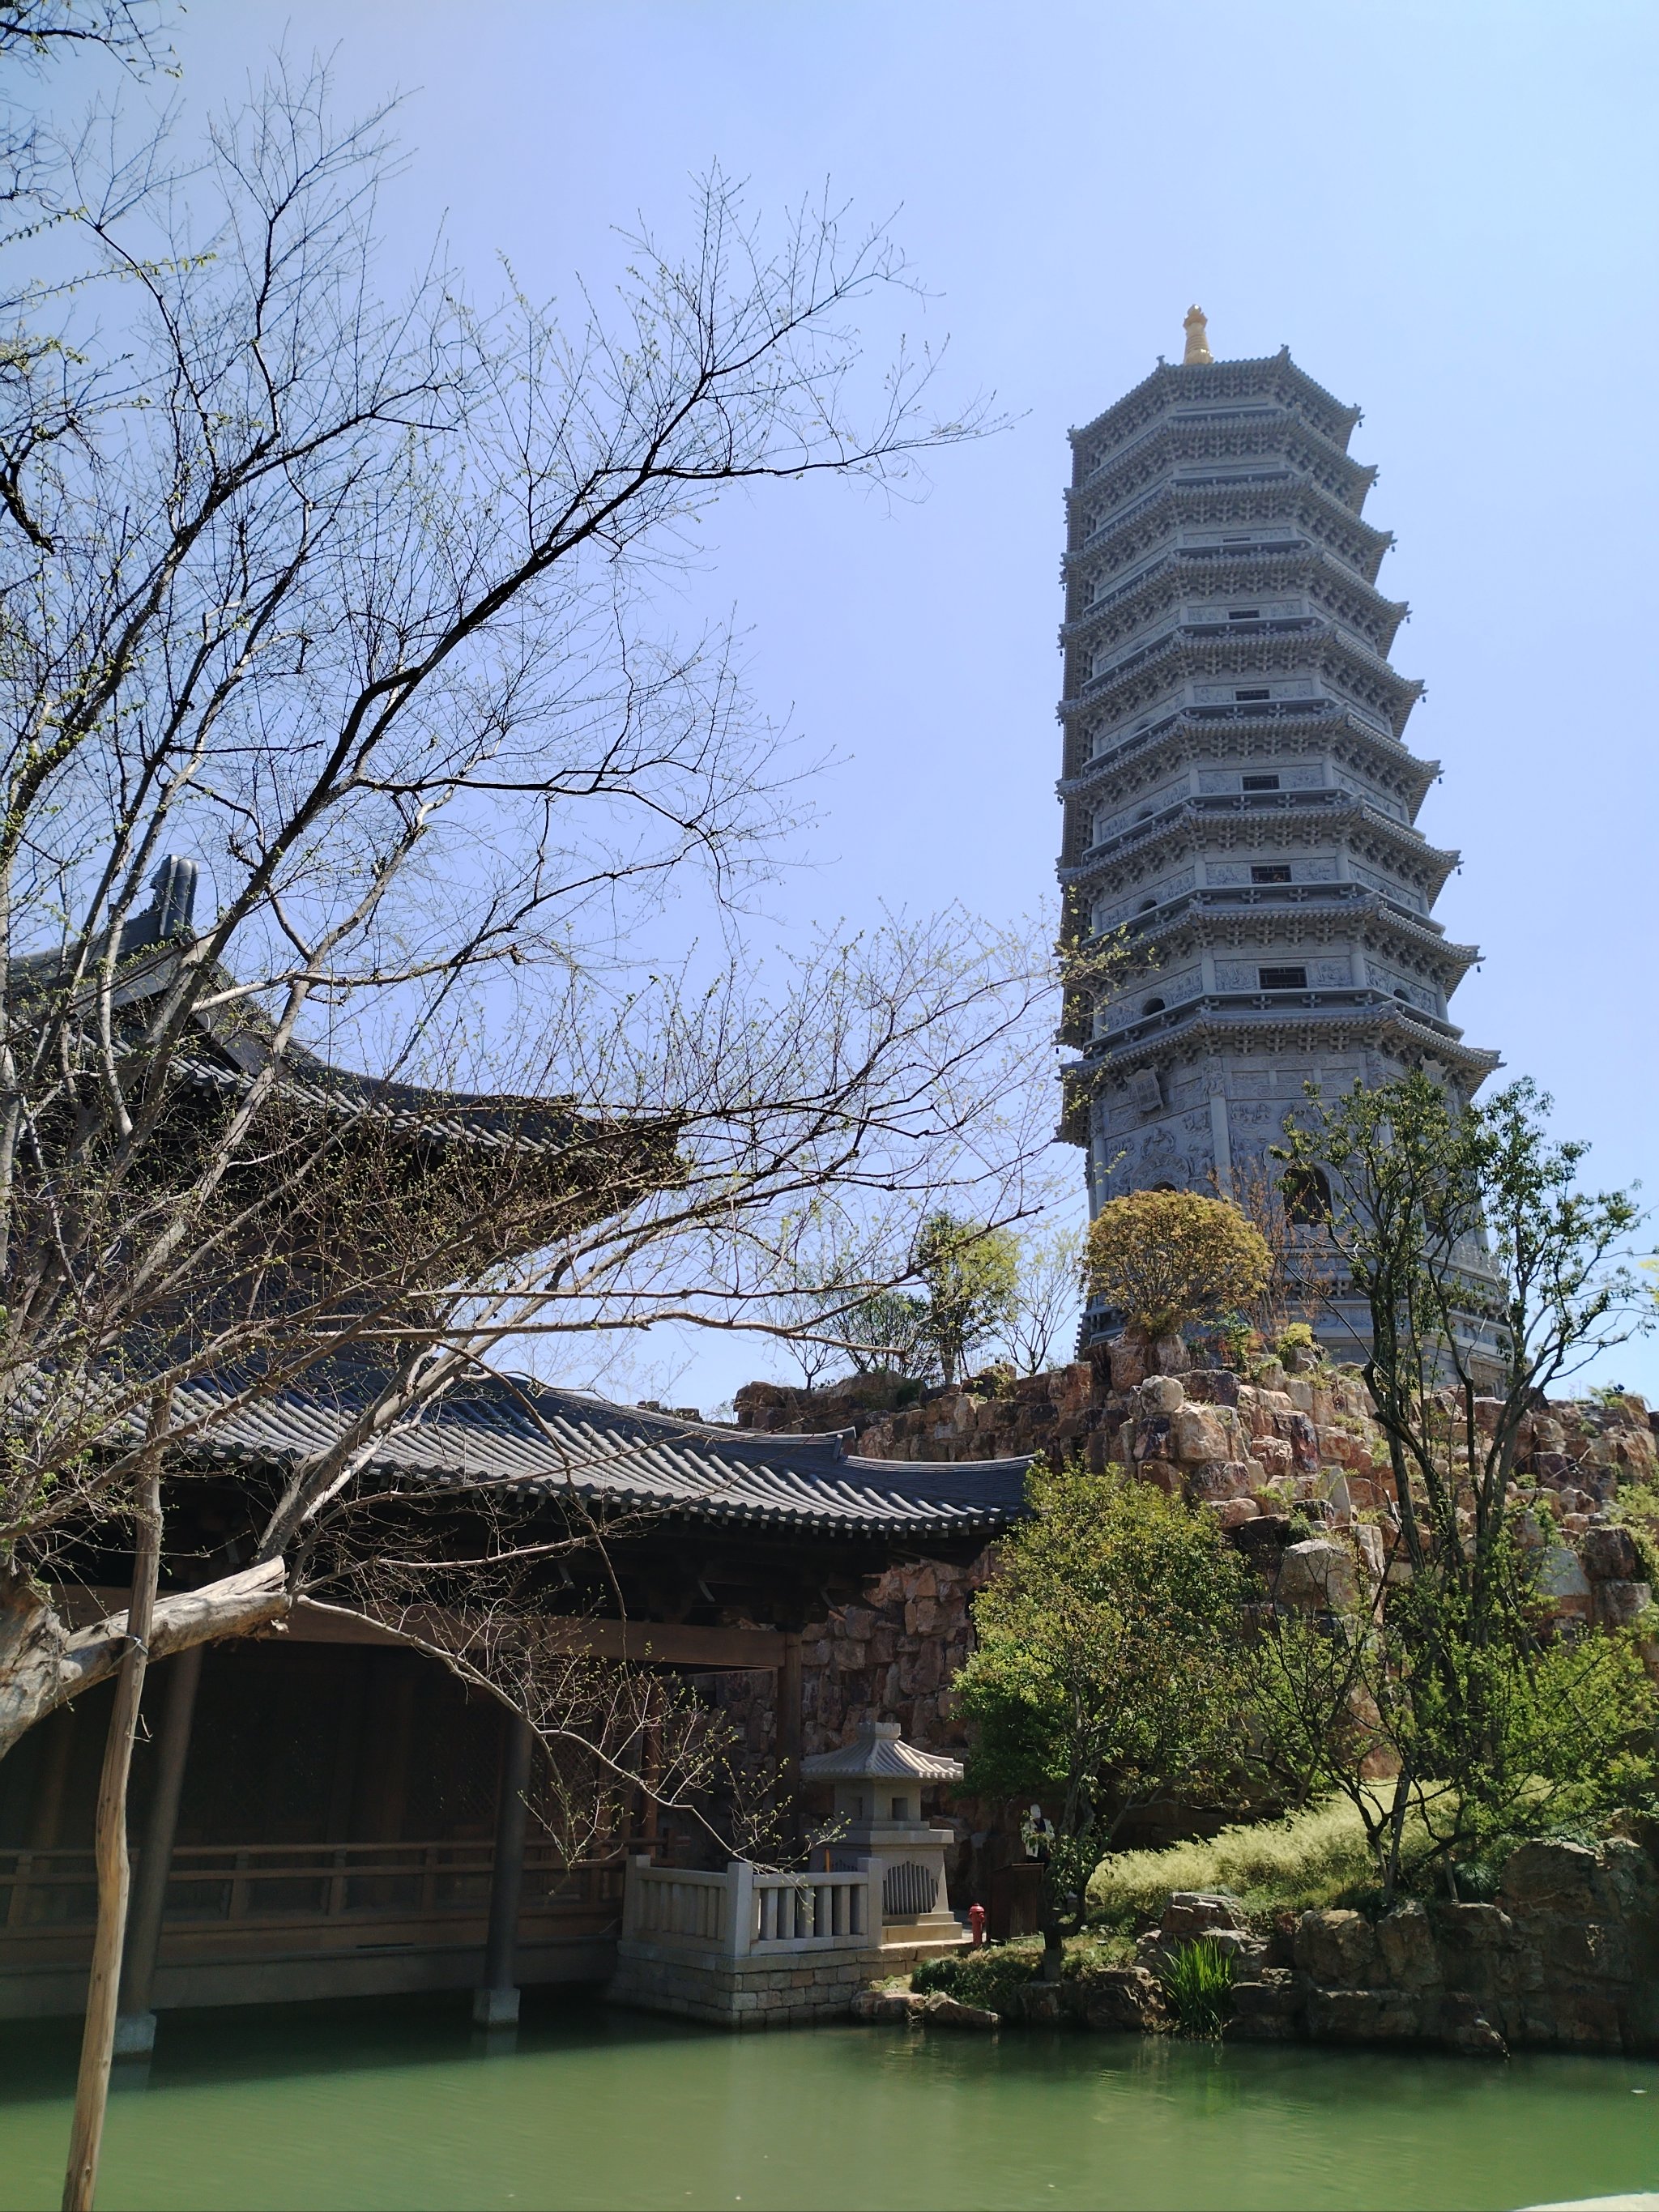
<point x="771" y="1991"/>
<point x="740" y="1993"/>
<point x="1566" y="1958"/>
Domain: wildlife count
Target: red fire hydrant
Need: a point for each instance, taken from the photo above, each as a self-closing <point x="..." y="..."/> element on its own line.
<point x="976" y="1925"/>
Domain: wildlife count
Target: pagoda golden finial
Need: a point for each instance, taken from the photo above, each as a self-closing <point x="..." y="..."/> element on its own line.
<point x="1198" y="345"/>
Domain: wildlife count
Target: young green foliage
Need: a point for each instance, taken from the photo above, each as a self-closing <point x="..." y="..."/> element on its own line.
<point x="1166" y="1258"/>
<point x="970" y="1274"/>
<point x="1108" y="1669"/>
<point x="1198" y="1983"/>
<point x="1487" y="1274"/>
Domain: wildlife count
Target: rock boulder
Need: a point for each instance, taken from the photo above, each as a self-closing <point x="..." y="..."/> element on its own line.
<point x="1318" y="1573"/>
<point x="1336" y="1948"/>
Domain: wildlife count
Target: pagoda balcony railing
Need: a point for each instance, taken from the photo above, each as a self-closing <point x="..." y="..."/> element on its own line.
<point x="1267" y="713"/>
<point x="1214" y="479"/>
<point x="1254" y="417"/>
<point x="1155" y="568"/>
<point x="1298" y="481"/>
<point x="1276" y="549"/>
<point x="1203" y="633"/>
<point x="1328" y="798"/>
<point x="1176" y="643"/>
<point x="1263" y="1007"/>
<point x="1225" y="897"/>
<point x="1304" y="559"/>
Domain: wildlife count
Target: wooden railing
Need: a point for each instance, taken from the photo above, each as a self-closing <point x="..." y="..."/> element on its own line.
<point x="744" y="1911"/>
<point x="216" y="1884"/>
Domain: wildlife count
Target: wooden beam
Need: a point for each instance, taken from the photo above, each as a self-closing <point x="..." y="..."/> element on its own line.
<point x="645" y="1642"/>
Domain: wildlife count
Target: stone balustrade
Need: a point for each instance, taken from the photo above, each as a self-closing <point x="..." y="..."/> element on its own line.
<point x="746" y="1911"/>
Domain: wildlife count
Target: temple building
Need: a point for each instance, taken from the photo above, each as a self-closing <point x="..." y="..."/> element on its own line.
<point x="1240" y="801"/>
<point x="328" y="1809"/>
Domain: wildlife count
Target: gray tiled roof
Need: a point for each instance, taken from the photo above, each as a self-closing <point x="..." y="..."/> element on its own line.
<point x="547" y="1442"/>
<point x="878" y="1753"/>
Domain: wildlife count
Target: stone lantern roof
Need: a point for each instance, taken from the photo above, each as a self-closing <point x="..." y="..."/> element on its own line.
<point x="877" y="1753"/>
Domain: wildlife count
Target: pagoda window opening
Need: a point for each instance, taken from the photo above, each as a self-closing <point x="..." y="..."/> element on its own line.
<point x="1242" y="696"/>
<point x="1283" y="979"/>
<point x="1307" y="1197"/>
<point x="1261" y="783"/>
<point x="1153" y="1007"/>
<point x="1276" y="872"/>
<point x="1146" y="906"/>
<point x="1244" y="614"/>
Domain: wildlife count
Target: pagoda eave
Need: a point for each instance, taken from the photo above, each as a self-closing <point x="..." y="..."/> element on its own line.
<point x="1179" y="377"/>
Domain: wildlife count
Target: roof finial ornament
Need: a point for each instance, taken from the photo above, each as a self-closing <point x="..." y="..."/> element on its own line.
<point x="1198" y="345"/>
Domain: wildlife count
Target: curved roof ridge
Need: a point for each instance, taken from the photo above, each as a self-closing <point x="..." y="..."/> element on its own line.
<point x="620" y="1454"/>
<point x="1166" y="371"/>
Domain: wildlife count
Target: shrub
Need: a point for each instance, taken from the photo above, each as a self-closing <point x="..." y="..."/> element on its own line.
<point x="1166" y="1258"/>
<point x="1315" y="1858"/>
<point x="1109" y="1667"/>
<point x="994" y="1976"/>
<point x="1198" y="1983"/>
<point x="1636" y="1506"/>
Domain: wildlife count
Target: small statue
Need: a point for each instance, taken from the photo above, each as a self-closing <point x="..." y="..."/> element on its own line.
<point x="1037" y="1832"/>
<point x="1198" y="345"/>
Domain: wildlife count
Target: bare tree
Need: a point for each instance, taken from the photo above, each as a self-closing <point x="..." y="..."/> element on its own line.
<point x="1047" y="1297"/>
<point x="333" y="618"/>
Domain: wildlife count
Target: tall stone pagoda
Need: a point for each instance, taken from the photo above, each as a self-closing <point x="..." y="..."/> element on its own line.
<point x="1239" y="798"/>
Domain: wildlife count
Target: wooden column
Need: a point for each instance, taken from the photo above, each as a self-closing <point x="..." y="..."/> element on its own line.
<point x="496" y="2004"/>
<point x="57" y="1745"/>
<point x="788" y="1696"/>
<point x="135" y="2024"/>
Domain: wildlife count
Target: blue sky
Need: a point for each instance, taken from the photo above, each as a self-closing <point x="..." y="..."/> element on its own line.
<point x="1447" y="211"/>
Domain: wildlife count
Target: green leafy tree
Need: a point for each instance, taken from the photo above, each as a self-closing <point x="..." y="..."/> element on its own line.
<point x="972" y="1274"/>
<point x="1108" y="1667"/>
<point x="1388" y="1687"/>
<point x="1168" y="1258"/>
<point x="887" y="1334"/>
<point x="1488" y="1273"/>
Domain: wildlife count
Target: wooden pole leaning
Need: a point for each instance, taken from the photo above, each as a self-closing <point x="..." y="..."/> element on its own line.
<point x="135" y="2023"/>
<point x="110" y="1848"/>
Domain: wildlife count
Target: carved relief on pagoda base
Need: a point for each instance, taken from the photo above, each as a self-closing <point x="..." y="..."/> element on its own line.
<point x="1175" y="1154"/>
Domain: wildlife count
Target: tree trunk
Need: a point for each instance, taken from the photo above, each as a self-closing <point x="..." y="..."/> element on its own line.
<point x="98" y="2037"/>
<point x="1397" y="1812"/>
<point x="1053" y="1949"/>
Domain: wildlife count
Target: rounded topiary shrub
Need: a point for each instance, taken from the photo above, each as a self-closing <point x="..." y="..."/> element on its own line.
<point x="1167" y="1258"/>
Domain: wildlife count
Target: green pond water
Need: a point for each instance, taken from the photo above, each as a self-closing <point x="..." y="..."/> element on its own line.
<point x="400" y="2106"/>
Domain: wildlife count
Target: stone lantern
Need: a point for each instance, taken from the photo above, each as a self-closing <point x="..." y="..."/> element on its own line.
<point x="879" y="1780"/>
